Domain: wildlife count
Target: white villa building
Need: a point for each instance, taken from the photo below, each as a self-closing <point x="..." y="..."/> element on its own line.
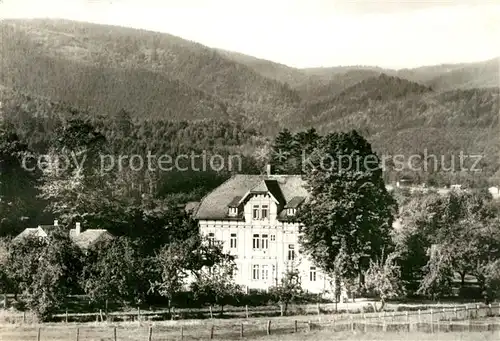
<point x="253" y="215"/>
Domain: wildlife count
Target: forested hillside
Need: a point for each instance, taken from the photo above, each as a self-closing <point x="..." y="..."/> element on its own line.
<point x="157" y="78"/>
<point x="146" y="72"/>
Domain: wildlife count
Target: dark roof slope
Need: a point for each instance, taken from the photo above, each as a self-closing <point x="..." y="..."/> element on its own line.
<point x="274" y="188"/>
<point x="283" y="187"/>
<point x="295" y="202"/>
<point x="235" y="202"/>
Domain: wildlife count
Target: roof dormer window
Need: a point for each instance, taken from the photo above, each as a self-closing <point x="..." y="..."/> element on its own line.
<point x="233" y="211"/>
<point x="291" y="211"/>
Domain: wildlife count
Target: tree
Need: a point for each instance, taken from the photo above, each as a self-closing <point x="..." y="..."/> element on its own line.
<point x="117" y="270"/>
<point x="215" y="285"/>
<point x="282" y="158"/>
<point x="72" y="182"/>
<point x="288" y="150"/>
<point x="438" y="278"/>
<point x="18" y="202"/>
<point x="289" y="289"/>
<point x="46" y="271"/>
<point x="492" y="281"/>
<point x="181" y="261"/>
<point x="383" y="277"/>
<point x="349" y="205"/>
<point x="444" y="235"/>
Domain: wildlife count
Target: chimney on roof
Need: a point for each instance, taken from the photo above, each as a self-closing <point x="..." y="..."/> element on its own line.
<point x="268" y="169"/>
<point x="56" y="223"/>
<point x="78" y="229"/>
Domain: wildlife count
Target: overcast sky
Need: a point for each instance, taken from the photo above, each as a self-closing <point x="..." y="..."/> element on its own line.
<point x="303" y="33"/>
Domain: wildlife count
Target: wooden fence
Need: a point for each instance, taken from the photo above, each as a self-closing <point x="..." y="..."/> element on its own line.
<point x="452" y="319"/>
<point x="421" y="313"/>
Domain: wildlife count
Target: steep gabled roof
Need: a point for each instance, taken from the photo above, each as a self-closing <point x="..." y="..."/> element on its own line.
<point x="30" y="232"/>
<point x="283" y="187"/>
<point x="90" y="237"/>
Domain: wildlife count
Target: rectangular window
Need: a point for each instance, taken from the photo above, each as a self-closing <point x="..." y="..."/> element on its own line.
<point x="233" y="240"/>
<point x="312" y="274"/>
<point x="265" y="272"/>
<point x="265" y="242"/>
<point x="264" y="212"/>
<point x="211" y="239"/>
<point x="273" y="237"/>
<point x="256" y="240"/>
<point x="255" y="272"/>
<point x="291" y="252"/>
<point x="256" y="211"/>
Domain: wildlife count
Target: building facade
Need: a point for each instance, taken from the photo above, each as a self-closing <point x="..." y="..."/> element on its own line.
<point x="254" y="217"/>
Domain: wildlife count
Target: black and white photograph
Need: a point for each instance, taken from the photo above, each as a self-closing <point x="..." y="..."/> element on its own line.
<point x="279" y="170"/>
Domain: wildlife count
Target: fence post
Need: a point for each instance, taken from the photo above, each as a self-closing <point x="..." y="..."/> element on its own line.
<point x="455" y="313"/>
<point x="211" y="312"/>
<point x="364" y="323"/>
<point x="38" y="334"/>
<point x="241" y="330"/>
<point x="66" y="316"/>
<point x="212" y="332"/>
<point x="352" y="324"/>
<point x="269" y="327"/>
<point x="432" y="321"/>
<point x="490" y="311"/>
<point x="407" y="320"/>
<point x="182" y="332"/>
<point x="77" y="333"/>
<point x="138" y="314"/>
<point x="24" y="316"/>
<point x="100" y="314"/>
<point x="477" y="310"/>
<point x="150" y="333"/>
<point x="295" y="329"/>
<point x="438" y="320"/>
<point x="114" y="333"/>
<point x="246" y="310"/>
<point x="467" y="312"/>
<point x="309" y="326"/>
<point x="281" y="309"/>
<point x="319" y="310"/>
<point x="419" y="316"/>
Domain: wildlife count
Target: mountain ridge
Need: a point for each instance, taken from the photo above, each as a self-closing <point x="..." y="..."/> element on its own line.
<point x="156" y="75"/>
